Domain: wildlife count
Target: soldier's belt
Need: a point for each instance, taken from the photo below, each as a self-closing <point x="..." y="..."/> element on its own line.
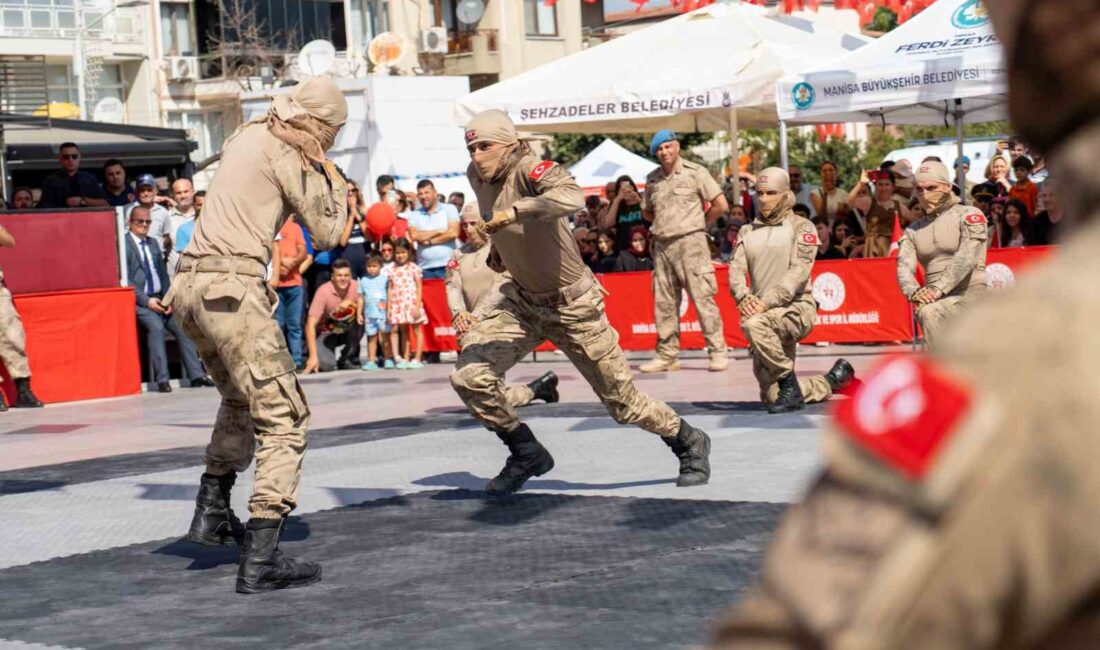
<point x="219" y="264"/>
<point x="562" y="296"/>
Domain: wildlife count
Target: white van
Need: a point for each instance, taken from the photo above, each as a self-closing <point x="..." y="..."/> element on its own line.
<point x="979" y="150"/>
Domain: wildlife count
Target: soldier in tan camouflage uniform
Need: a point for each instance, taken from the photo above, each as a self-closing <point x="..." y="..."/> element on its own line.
<point x="13" y="347"/>
<point x="270" y="167"/>
<point x="472" y="289"/>
<point x="674" y="196"/>
<point x="778" y="310"/>
<point x="949" y="242"/>
<point x="958" y="507"/>
<point x="551" y="295"/>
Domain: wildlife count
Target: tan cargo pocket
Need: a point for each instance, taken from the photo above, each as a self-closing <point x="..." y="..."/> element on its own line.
<point x="279" y="366"/>
<point x="226" y="287"/>
<point x="706" y="279"/>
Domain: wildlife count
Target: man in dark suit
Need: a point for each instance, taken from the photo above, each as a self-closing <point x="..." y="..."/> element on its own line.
<point x="149" y="278"/>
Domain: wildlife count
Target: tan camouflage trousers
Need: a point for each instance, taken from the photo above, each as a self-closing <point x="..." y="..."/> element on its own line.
<point x="13" y="340"/>
<point x="263" y="409"/>
<point x="774" y="336"/>
<point x="684" y="264"/>
<point x="518" y="395"/>
<point x="579" y="329"/>
<point x="935" y="315"/>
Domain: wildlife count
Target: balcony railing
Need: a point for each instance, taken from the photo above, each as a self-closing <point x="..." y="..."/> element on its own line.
<point x="57" y="19"/>
<point x="465" y="42"/>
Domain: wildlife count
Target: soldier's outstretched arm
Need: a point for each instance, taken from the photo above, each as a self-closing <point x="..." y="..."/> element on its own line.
<point x="798" y="274"/>
<point x="452" y="280"/>
<point x="319" y="199"/>
<point x="739" y="266"/>
<point x="557" y="195"/>
<point x="972" y="236"/>
<point x="907" y="266"/>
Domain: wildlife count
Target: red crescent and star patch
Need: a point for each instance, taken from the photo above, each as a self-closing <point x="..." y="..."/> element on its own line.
<point x="540" y="170"/>
<point x="904" y="411"/>
<point x="975" y="218"/>
<point x="809" y="238"/>
<point x="452" y="263"/>
<point x="470" y="135"/>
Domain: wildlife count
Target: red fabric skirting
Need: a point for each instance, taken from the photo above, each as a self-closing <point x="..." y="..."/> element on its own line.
<point x="80" y="344"/>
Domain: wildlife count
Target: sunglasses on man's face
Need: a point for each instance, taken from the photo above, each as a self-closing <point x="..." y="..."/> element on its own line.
<point x="71" y="156"/>
<point x="142" y="222"/>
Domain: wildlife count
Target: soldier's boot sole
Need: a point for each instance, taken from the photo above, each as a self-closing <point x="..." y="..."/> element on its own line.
<point x="651" y="368"/>
<point x="776" y="409"/>
<point x="262" y="586"/>
<point x="502" y="485"/>
<point x="207" y="538"/>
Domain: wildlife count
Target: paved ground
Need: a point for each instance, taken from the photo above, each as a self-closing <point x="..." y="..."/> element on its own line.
<point x="604" y="552"/>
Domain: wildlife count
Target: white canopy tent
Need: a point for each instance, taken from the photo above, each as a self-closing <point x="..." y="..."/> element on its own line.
<point x="939" y="67"/>
<point x="713" y="69"/>
<point x="606" y="163"/>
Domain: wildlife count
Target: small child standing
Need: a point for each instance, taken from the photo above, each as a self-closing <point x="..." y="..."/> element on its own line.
<point x="373" y="288"/>
<point x="405" y="305"/>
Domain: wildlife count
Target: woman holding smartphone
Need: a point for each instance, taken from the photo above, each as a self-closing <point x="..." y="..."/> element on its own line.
<point x="625" y="212"/>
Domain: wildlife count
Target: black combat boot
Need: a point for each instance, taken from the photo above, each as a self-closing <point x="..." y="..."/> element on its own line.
<point x="840" y="375"/>
<point x="790" y="396"/>
<point x="546" y="387"/>
<point x="24" y="398"/>
<point x="692" y="447"/>
<point x="528" y="458"/>
<point x="263" y="567"/>
<point x="214" y="523"/>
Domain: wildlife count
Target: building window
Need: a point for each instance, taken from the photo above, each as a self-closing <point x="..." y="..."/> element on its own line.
<point x="540" y="19"/>
<point x="175" y="30"/>
<point x="61" y="85"/>
<point x="206" y="129"/>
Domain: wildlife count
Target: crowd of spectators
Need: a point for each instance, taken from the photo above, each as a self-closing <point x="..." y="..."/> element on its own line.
<point x="372" y="290"/>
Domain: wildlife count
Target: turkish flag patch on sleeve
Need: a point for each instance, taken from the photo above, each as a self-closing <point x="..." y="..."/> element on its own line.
<point x="540" y="170"/>
<point x="975" y="218"/>
<point x="809" y="238"/>
<point x="452" y="263"/>
<point x="904" y="411"/>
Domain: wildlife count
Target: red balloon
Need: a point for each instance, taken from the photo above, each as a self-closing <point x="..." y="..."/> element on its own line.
<point x="380" y="218"/>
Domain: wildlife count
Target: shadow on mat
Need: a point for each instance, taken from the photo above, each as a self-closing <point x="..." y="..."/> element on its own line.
<point x="202" y="557"/>
<point x="22" y="486"/>
<point x="506" y="510"/>
<point x="467" y="481"/>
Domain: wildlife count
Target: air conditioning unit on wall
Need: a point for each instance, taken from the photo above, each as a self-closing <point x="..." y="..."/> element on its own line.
<point x="433" y="40"/>
<point x="183" y="68"/>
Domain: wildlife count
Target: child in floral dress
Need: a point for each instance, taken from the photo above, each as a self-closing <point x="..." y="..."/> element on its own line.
<point x="405" y="305"/>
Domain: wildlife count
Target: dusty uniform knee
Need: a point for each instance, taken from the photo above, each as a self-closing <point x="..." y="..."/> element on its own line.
<point x="470" y="379"/>
<point x="755" y="326"/>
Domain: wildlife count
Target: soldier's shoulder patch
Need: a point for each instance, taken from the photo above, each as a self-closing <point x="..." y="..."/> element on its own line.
<point x="974" y="218"/>
<point x="904" y="412"/>
<point x="540" y="170"/>
<point x="452" y="263"/>
<point x="809" y="238"/>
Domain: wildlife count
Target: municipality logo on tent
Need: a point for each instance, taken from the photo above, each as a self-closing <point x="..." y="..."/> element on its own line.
<point x="803" y="95"/>
<point x="969" y="15"/>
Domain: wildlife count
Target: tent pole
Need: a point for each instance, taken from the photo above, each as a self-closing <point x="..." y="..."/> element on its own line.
<point x="783" y="161"/>
<point x="735" y="162"/>
<point x="960" y="175"/>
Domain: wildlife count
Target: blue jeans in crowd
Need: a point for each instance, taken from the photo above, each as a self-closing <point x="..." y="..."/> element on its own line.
<point x="289" y="316"/>
<point x="436" y="273"/>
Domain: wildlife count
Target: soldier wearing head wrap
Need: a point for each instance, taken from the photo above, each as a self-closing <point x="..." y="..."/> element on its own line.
<point x="777" y="253"/>
<point x="271" y="167"/>
<point x="551" y="295"/>
<point x="473" y="288"/>
<point x="958" y="506"/>
<point x="949" y="242"/>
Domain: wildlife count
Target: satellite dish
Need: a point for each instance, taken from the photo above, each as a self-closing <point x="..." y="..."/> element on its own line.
<point x="111" y="110"/>
<point x="386" y="49"/>
<point x="317" y="58"/>
<point x="470" y="11"/>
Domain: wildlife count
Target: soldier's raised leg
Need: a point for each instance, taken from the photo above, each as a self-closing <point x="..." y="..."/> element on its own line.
<point x="496" y="343"/>
<point x="593" y="346"/>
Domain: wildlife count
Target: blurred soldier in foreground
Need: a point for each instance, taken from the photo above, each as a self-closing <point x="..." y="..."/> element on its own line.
<point x="959" y="507"/>
<point x="271" y="167"/>
<point x="472" y="288"/>
<point x="551" y="295"/>
<point x="949" y="242"/>
<point x="777" y="309"/>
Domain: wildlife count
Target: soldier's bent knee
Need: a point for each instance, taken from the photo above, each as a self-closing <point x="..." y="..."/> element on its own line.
<point x="471" y="379"/>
